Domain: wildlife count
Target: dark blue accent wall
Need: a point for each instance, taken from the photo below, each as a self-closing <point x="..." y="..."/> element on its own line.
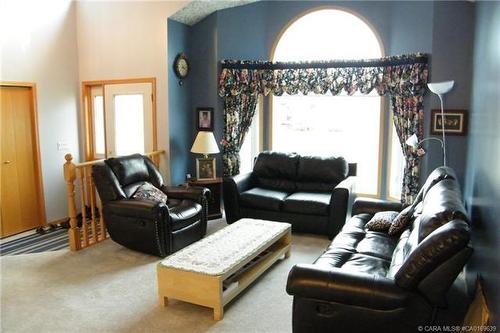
<point x="179" y="104"/>
<point x="203" y="49"/>
<point x="451" y="59"/>
<point x="482" y="185"/>
<point x="249" y="32"/>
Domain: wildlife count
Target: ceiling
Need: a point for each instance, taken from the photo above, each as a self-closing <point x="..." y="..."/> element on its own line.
<point x="197" y="10"/>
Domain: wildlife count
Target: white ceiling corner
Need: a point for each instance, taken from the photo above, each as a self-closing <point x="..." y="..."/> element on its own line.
<point x="197" y="10"/>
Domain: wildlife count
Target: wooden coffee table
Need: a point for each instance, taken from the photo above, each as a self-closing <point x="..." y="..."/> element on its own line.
<point x="214" y="270"/>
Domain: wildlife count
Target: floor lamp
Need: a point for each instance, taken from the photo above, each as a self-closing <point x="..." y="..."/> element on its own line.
<point x="439" y="88"/>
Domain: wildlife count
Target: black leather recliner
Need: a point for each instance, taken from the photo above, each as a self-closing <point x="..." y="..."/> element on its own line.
<point x="143" y="225"/>
<point x="368" y="281"/>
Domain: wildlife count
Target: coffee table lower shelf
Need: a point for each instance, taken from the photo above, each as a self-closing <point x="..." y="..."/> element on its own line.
<point x="207" y="290"/>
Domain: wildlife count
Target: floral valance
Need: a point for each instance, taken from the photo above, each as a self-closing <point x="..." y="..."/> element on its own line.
<point x="404" y="75"/>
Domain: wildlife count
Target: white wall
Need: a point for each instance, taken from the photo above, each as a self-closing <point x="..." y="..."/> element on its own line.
<point x="59" y="43"/>
<point x="120" y="40"/>
<point x="38" y="44"/>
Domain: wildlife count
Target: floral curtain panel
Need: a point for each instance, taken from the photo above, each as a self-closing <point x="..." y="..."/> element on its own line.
<point x="408" y="116"/>
<point x="238" y="114"/>
<point x="403" y="78"/>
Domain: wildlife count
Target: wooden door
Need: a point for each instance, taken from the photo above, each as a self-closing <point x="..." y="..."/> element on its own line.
<point x="21" y="201"/>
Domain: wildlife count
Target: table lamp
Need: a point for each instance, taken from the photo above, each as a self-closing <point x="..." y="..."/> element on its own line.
<point x="205" y="144"/>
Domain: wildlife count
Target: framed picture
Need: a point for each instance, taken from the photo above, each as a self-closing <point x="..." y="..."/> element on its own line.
<point x="205" y="119"/>
<point x="455" y="122"/>
<point x="205" y="168"/>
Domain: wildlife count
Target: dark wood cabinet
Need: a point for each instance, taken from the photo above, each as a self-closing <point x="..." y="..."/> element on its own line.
<point x="215" y="187"/>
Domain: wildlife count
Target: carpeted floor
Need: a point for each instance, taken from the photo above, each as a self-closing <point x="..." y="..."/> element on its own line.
<point x="108" y="288"/>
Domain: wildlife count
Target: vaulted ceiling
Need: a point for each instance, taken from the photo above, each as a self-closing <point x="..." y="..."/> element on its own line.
<point x="197" y="10"/>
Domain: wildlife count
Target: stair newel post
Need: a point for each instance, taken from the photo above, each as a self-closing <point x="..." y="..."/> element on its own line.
<point x="69" y="177"/>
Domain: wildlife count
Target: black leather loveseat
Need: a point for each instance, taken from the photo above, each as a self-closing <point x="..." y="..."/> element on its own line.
<point x="311" y="193"/>
<point x="368" y="281"/>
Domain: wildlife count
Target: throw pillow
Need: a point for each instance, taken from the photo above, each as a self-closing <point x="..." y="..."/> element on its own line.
<point x="381" y="221"/>
<point x="402" y="221"/>
<point x="148" y="191"/>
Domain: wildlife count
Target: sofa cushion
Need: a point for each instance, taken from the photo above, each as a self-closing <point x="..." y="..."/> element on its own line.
<point x="314" y="203"/>
<point x="276" y="184"/>
<point x="381" y="221"/>
<point x="353" y="262"/>
<point x="361" y="263"/>
<point x="400" y="253"/>
<point x="377" y="244"/>
<point x="276" y="165"/>
<point x="442" y="204"/>
<point x="276" y="171"/>
<point x="320" y="174"/>
<point x="258" y="197"/>
<point x="357" y="250"/>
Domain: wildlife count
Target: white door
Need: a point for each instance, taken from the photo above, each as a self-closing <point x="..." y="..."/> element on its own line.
<point x="128" y="118"/>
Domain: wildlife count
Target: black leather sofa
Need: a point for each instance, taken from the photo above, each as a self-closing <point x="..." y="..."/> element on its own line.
<point x="311" y="193"/>
<point x="144" y="225"/>
<point x="368" y="281"/>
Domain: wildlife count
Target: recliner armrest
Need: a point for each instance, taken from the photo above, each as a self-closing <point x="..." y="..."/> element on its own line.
<point x="372" y="206"/>
<point x="337" y="285"/>
<point x="195" y="193"/>
<point x="145" y="209"/>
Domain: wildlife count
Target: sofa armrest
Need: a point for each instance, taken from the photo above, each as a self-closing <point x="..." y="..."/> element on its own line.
<point x="243" y="182"/>
<point x="340" y="201"/>
<point x="336" y="285"/>
<point x="195" y="193"/>
<point x="232" y="187"/>
<point x="372" y="206"/>
<point x="143" y="209"/>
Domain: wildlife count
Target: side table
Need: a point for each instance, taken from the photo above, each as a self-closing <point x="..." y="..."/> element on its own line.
<point x="215" y="187"/>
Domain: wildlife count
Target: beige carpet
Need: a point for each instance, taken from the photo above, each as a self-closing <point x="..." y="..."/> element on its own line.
<point x="108" y="288"/>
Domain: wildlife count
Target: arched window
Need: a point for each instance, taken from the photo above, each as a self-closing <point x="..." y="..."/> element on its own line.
<point x="348" y="126"/>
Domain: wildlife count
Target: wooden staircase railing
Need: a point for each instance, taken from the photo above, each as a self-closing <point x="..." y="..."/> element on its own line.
<point x="87" y="227"/>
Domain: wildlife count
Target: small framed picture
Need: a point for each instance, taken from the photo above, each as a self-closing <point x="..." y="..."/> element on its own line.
<point x="205" y="119"/>
<point x="205" y="168"/>
<point x="455" y="122"/>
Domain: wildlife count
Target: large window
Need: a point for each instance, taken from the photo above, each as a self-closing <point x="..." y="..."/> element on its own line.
<point x="396" y="166"/>
<point x="251" y="144"/>
<point x="327" y="125"/>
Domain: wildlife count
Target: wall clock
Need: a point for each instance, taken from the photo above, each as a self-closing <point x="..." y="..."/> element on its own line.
<point x="181" y="67"/>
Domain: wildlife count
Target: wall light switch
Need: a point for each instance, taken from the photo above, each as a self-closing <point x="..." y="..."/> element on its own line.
<point x="62" y="146"/>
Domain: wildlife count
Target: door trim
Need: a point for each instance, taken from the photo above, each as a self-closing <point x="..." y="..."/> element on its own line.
<point x="36" y="144"/>
<point x="88" y="130"/>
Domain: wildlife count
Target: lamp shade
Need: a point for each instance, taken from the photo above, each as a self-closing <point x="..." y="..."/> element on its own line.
<point x="441" y="88"/>
<point x="412" y="141"/>
<point x="205" y="143"/>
